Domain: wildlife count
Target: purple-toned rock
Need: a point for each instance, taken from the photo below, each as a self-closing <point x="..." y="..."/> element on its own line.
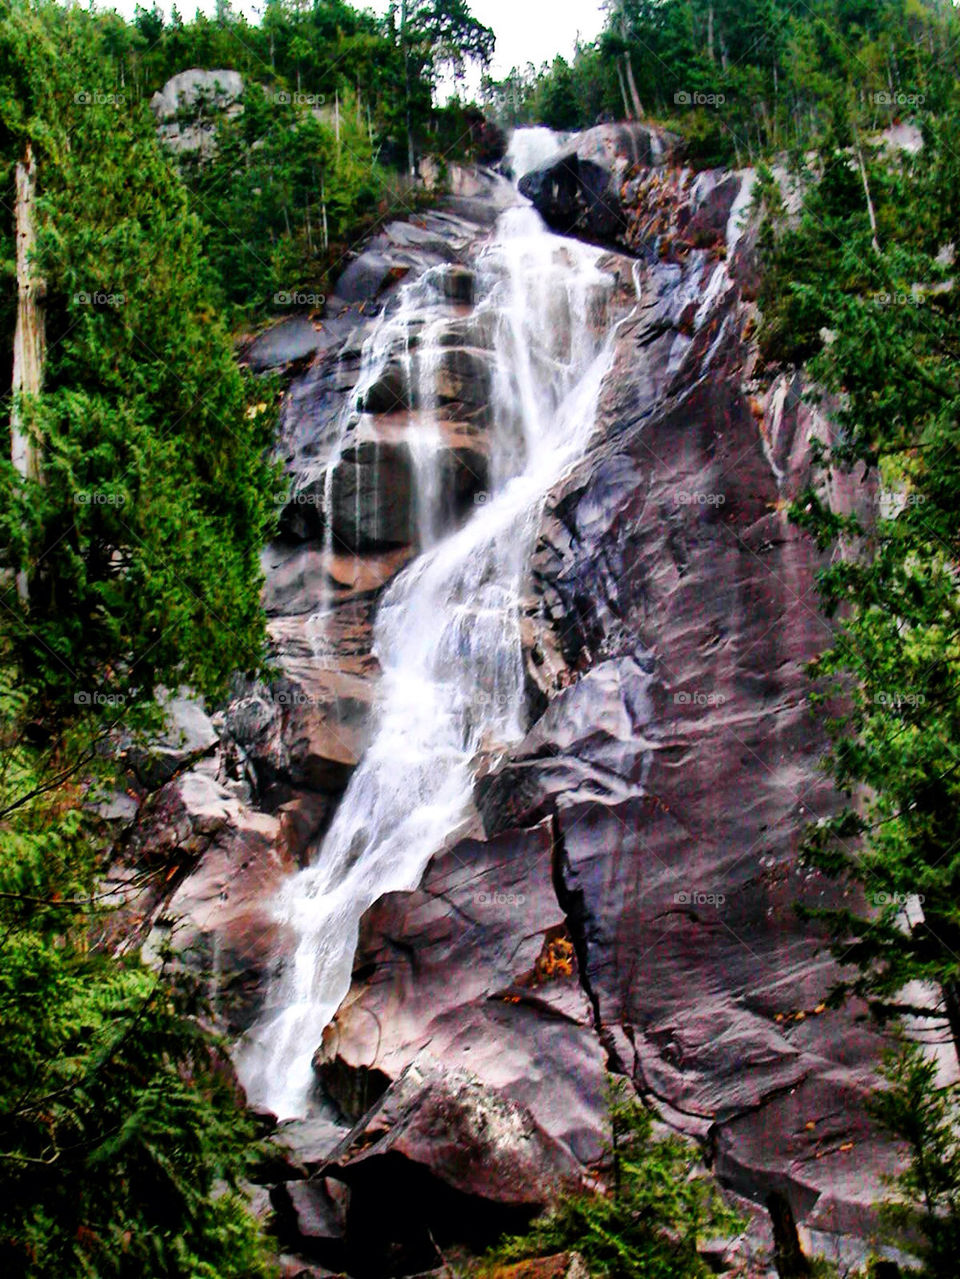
<point x="442" y="1158"/>
<point x="477" y="967"/>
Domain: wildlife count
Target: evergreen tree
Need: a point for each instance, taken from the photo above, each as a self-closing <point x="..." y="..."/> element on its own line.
<point x="141" y="535"/>
<point x="891" y="680"/>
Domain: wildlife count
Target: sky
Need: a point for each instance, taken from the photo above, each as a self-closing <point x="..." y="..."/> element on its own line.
<point x="527" y="30"/>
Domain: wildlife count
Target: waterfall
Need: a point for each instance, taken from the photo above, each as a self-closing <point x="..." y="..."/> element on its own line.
<point x="532" y="149"/>
<point x="447" y="634"/>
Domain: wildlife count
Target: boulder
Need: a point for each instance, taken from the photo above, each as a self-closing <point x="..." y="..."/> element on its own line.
<point x="195" y="874"/>
<point x="218" y="920"/>
<point x="195" y="88"/>
<point x="578" y="192"/>
<point x="309" y="1221"/>
<point x="201" y="97"/>
<point x="373" y="497"/>
<point x="441" y="1158"/>
<point x="188" y="736"/>
<point x="295" y="338"/>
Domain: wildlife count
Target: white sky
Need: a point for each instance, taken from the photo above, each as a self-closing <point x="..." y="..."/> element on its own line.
<point x="527" y="30"/>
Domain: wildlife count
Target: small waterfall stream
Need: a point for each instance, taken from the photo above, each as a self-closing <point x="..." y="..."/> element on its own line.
<point x="447" y="633"/>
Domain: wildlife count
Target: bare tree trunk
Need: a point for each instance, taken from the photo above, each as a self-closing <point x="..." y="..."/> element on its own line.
<point x="866" y="191"/>
<point x="628" y="64"/>
<point x="411" y="158"/>
<point x="29" y="339"/>
<point x="628" y="114"/>
<point x="637" y="104"/>
<point x="951" y="1001"/>
<point x="788" y="1256"/>
<point x="710" y="52"/>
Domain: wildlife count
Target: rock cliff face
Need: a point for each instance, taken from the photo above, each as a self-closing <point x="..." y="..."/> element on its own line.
<point x="627" y="900"/>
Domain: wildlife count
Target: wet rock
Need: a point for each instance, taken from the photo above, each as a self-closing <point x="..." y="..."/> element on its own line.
<point x="459" y="284"/>
<point x="658" y="801"/>
<point x="218" y="921"/>
<point x="188" y="736"/>
<point x="311" y="1141"/>
<point x="669" y="550"/>
<point x="282" y="344"/>
<point x="368" y="275"/>
<point x="578" y="192"/>
<point x="299" y="577"/>
<point x="309" y="1221"/>
<point x="478" y="967"/>
<point x="373" y="497"/>
<point x="388" y="393"/>
<point x="196" y="873"/>
<point x="464" y="377"/>
<point x="441" y="1158"/>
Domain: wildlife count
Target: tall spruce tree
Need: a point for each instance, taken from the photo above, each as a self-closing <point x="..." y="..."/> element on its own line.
<point x="139" y="535"/>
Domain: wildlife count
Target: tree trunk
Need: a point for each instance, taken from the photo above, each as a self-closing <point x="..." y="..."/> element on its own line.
<point x="411" y="159"/>
<point x="29" y="339"/>
<point x="628" y="65"/>
<point x="627" y="113"/>
<point x="637" y="104"/>
<point x="951" y="1002"/>
<point x="788" y="1257"/>
<point x="866" y="191"/>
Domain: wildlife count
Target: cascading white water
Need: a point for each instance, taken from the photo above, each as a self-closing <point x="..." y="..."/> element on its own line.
<point x="532" y="148"/>
<point x="447" y="636"/>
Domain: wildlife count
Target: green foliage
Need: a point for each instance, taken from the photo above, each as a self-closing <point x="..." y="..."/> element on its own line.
<point x="334" y="99"/>
<point x="740" y="81"/>
<point x="121" y="1144"/>
<point x="890" y="683"/>
<point x="926" y="1118"/>
<point x="283" y="195"/>
<point x="141" y="539"/>
<point x="659" y="1205"/>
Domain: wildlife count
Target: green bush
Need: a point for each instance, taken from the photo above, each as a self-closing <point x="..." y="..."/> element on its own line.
<point x="658" y="1206"/>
